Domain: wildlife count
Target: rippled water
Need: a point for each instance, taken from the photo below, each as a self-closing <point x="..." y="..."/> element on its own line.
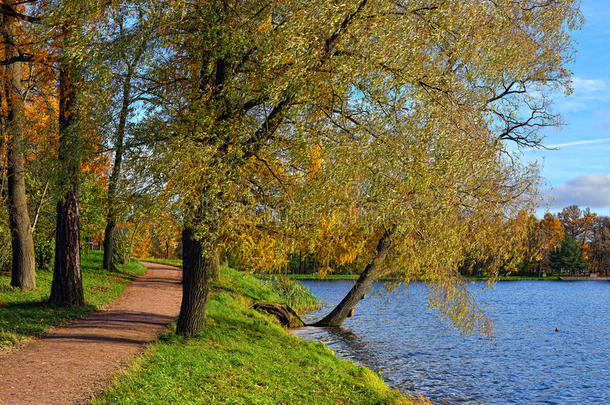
<point x="530" y="363"/>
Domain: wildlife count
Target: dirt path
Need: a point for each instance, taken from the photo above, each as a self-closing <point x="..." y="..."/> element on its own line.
<point x="70" y="364"/>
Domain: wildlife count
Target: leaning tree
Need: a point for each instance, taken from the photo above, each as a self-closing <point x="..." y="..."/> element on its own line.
<point x="237" y="83"/>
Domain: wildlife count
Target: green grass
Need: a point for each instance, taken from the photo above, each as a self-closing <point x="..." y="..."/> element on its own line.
<point x="294" y="294"/>
<point x="171" y="262"/>
<point x="25" y="314"/>
<point x="278" y="290"/>
<point x="244" y="357"/>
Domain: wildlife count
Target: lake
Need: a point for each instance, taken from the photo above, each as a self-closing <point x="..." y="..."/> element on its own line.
<point x="529" y="362"/>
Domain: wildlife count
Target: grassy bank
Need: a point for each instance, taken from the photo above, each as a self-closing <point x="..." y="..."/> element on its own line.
<point x="25" y="314"/>
<point x="244" y="357"/>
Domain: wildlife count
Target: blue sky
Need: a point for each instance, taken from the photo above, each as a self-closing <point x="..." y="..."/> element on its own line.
<point x="578" y="172"/>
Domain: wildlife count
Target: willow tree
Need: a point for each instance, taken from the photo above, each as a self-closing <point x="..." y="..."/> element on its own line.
<point x="484" y="95"/>
<point x="239" y="82"/>
<point x="233" y="73"/>
<point x="488" y="100"/>
<point x="408" y="194"/>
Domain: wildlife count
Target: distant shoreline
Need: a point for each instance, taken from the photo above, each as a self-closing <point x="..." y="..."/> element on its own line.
<point x="330" y="277"/>
<point x="577" y="278"/>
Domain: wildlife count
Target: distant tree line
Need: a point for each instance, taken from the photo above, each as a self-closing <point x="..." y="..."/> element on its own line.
<point x="573" y="241"/>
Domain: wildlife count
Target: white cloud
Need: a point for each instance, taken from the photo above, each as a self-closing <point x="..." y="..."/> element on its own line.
<point x="588" y="86"/>
<point x="592" y="190"/>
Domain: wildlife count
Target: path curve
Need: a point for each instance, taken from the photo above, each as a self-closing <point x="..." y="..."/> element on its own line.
<point x="72" y="363"/>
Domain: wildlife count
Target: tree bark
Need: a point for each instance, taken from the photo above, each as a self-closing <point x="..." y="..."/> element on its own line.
<point x="302" y="263"/>
<point x="67" y="285"/>
<point x="198" y="268"/>
<point x="108" y="262"/>
<point x="373" y="270"/>
<point x="286" y="315"/>
<point x="23" y="266"/>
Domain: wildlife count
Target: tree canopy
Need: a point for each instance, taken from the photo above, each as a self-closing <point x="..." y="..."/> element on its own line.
<point x="374" y="133"/>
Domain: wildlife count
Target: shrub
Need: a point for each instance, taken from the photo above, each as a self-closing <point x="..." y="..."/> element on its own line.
<point x="294" y="294"/>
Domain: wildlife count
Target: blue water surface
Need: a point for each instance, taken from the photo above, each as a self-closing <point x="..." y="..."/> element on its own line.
<point x="528" y="363"/>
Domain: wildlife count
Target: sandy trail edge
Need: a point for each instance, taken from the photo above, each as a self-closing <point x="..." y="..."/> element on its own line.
<point x="72" y="363"/>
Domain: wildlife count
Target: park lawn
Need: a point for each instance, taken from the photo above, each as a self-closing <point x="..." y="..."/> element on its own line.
<point x="26" y="314"/>
<point x="245" y="357"/>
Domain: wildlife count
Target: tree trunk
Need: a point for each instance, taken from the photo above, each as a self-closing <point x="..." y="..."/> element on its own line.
<point x="108" y="262"/>
<point x="23" y="267"/>
<point x="301" y="262"/>
<point x="198" y="269"/>
<point x="113" y="182"/>
<point x="67" y="285"/>
<point x="373" y="270"/>
<point x="225" y="258"/>
<point x="286" y="315"/>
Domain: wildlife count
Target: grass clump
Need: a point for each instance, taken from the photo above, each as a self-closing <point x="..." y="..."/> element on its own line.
<point x="245" y="357"/>
<point x="276" y="290"/>
<point x="26" y="314"/>
<point x="294" y="294"/>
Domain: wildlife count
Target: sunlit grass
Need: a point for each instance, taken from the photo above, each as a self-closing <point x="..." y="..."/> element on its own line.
<point x="245" y="357"/>
<point x="170" y="262"/>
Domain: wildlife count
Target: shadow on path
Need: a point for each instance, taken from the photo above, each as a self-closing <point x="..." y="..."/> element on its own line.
<point x="72" y="363"/>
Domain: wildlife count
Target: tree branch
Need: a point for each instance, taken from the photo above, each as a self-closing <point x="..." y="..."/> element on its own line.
<point x="10" y="11"/>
